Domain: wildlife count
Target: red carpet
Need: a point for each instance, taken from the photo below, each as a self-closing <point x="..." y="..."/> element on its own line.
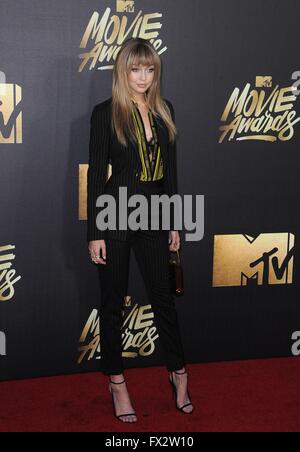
<point x="247" y="396"/>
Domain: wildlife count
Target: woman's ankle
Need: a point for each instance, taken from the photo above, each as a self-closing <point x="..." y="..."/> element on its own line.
<point x="181" y="371"/>
<point x="116" y="378"/>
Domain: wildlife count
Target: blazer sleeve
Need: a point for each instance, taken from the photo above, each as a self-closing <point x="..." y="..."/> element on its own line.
<point x="172" y="163"/>
<point x="172" y="173"/>
<point x="97" y="170"/>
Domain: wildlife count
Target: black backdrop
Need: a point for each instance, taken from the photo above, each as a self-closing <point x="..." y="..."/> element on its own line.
<point x="251" y="187"/>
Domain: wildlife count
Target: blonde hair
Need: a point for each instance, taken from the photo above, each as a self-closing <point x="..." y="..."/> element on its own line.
<point x="135" y="51"/>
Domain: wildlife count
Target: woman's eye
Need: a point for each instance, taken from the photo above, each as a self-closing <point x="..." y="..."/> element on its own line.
<point x="137" y="69"/>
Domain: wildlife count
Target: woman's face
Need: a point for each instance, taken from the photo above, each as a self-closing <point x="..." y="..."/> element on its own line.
<point x="140" y="78"/>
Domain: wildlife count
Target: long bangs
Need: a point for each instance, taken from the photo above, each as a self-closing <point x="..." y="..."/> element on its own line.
<point x="141" y="54"/>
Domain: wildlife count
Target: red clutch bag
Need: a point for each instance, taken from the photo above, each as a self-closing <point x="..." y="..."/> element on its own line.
<point x="176" y="274"/>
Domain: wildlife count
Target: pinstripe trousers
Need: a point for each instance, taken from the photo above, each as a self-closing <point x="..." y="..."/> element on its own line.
<point x="151" y="251"/>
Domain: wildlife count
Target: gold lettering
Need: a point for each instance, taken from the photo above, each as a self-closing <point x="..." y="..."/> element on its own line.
<point x="252" y="118"/>
<point x="7" y="279"/>
<point x="109" y="33"/>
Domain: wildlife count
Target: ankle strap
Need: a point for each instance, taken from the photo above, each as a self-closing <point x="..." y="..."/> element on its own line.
<point x="117" y="383"/>
<point x="180" y="373"/>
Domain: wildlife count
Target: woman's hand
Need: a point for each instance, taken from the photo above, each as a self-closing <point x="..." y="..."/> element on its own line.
<point x="97" y="249"/>
<point x="174" y="241"/>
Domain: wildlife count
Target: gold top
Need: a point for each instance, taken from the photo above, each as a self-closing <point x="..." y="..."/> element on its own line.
<point x="150" y="153"/>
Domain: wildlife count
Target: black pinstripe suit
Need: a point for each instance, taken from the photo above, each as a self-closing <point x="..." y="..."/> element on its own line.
<point x="150" y="247"/>
<point x="105" y="148"/>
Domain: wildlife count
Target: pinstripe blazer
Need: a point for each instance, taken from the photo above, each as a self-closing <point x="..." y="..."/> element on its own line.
<point x="104" y="148"/>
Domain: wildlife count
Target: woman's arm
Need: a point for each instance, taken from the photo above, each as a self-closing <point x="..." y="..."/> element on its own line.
<point x="97" y="171"/>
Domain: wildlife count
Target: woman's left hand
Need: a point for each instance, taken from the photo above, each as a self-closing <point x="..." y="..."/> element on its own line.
<point x="174" y="241"/>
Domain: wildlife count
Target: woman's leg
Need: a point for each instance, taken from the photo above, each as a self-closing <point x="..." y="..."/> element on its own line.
<point x="114" y="283"/>
<point x="152" y="255"/>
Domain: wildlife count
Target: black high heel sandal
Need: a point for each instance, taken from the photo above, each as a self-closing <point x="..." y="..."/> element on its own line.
<point x="113" y="403"/>
<point x="175" y="394"/>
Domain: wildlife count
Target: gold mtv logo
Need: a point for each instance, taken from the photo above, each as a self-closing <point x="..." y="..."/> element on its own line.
<point x="82" y="184"/>
<point x="125" y="6"/>
<point x="264" y="81"/>
<point x="10" y="114"/>
<point x="240" y="260"/>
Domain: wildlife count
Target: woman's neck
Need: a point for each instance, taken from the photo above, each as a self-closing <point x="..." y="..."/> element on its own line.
<point x="140" y="100"/>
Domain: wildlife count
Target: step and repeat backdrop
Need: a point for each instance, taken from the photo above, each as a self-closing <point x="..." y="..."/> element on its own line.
<point x="231" y="69"/>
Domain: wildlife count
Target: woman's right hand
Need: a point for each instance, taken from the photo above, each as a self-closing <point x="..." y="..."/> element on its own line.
<point x="97" y="249"/>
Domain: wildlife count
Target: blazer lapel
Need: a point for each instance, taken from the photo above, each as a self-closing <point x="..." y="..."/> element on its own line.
<point x="162" y="134"/>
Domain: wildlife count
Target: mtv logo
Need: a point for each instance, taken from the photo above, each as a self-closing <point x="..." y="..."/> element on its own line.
<point x="2" y="344"/>
<point x="264" y="81"/>
<point x="241" y="260"/>
<point x="124" y="6"/>
<point x="10" y="114"/>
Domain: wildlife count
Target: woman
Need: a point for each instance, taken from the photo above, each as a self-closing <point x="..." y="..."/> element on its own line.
<point x="134" y="130"/>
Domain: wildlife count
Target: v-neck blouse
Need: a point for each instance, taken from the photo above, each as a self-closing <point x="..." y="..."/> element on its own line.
<point x="149" y="151"/>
